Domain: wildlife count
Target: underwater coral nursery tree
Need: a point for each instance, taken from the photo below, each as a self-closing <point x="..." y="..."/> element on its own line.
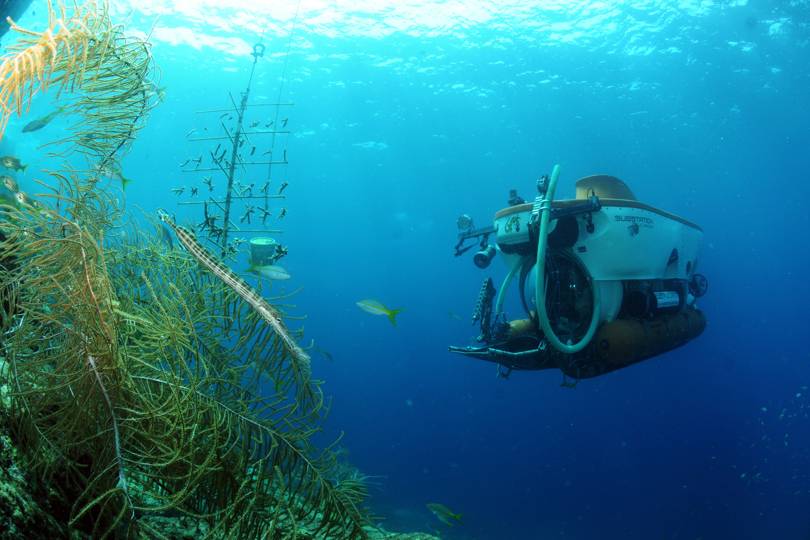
<point x="142" y="383"/>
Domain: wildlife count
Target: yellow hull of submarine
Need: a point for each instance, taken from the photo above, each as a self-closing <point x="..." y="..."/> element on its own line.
<point x="623" y="342"/>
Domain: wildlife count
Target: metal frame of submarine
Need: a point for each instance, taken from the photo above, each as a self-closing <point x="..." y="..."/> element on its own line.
<point x="615" y="280"/>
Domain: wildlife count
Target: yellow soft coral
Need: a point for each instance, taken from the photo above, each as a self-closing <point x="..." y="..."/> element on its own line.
<point x="39" y="59"/>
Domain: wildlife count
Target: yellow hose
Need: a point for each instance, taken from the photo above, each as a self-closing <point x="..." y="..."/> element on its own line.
<point x="540" y="285"/>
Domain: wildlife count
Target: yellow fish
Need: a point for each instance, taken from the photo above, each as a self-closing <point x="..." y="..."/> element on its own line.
<point x="377" y="308"/>
<point x="444" y="514"/>
<point x="114" y="171"/>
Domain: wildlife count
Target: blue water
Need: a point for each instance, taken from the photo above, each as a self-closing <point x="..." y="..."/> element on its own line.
<point x="408" y="114"/>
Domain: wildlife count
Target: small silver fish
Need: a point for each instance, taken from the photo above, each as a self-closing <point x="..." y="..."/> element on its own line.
<point x="10" y="162"/>
<point x="10" y="183"/>
<point x="270" y="271"/>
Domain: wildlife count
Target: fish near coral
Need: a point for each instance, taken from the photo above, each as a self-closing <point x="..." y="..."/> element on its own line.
<point x="114" y="171"/>
<point x="9" y="183"/>
<point x="12" y="163"/>
<point x="270" y="271"/>
<point x="40" y="123"/>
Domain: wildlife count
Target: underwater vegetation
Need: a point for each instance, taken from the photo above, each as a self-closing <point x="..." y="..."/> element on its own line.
<point x="105" y="81"/>
<point x="143" y="383"/>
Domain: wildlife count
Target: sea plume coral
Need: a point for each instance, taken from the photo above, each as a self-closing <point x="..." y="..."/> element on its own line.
<point x="106" y="81"/>
<point x="144" y="384"/>
<point x="56" y="55"/>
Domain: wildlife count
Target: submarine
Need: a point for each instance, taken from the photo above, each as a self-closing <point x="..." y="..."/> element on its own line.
<point x="604" y="281"/>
